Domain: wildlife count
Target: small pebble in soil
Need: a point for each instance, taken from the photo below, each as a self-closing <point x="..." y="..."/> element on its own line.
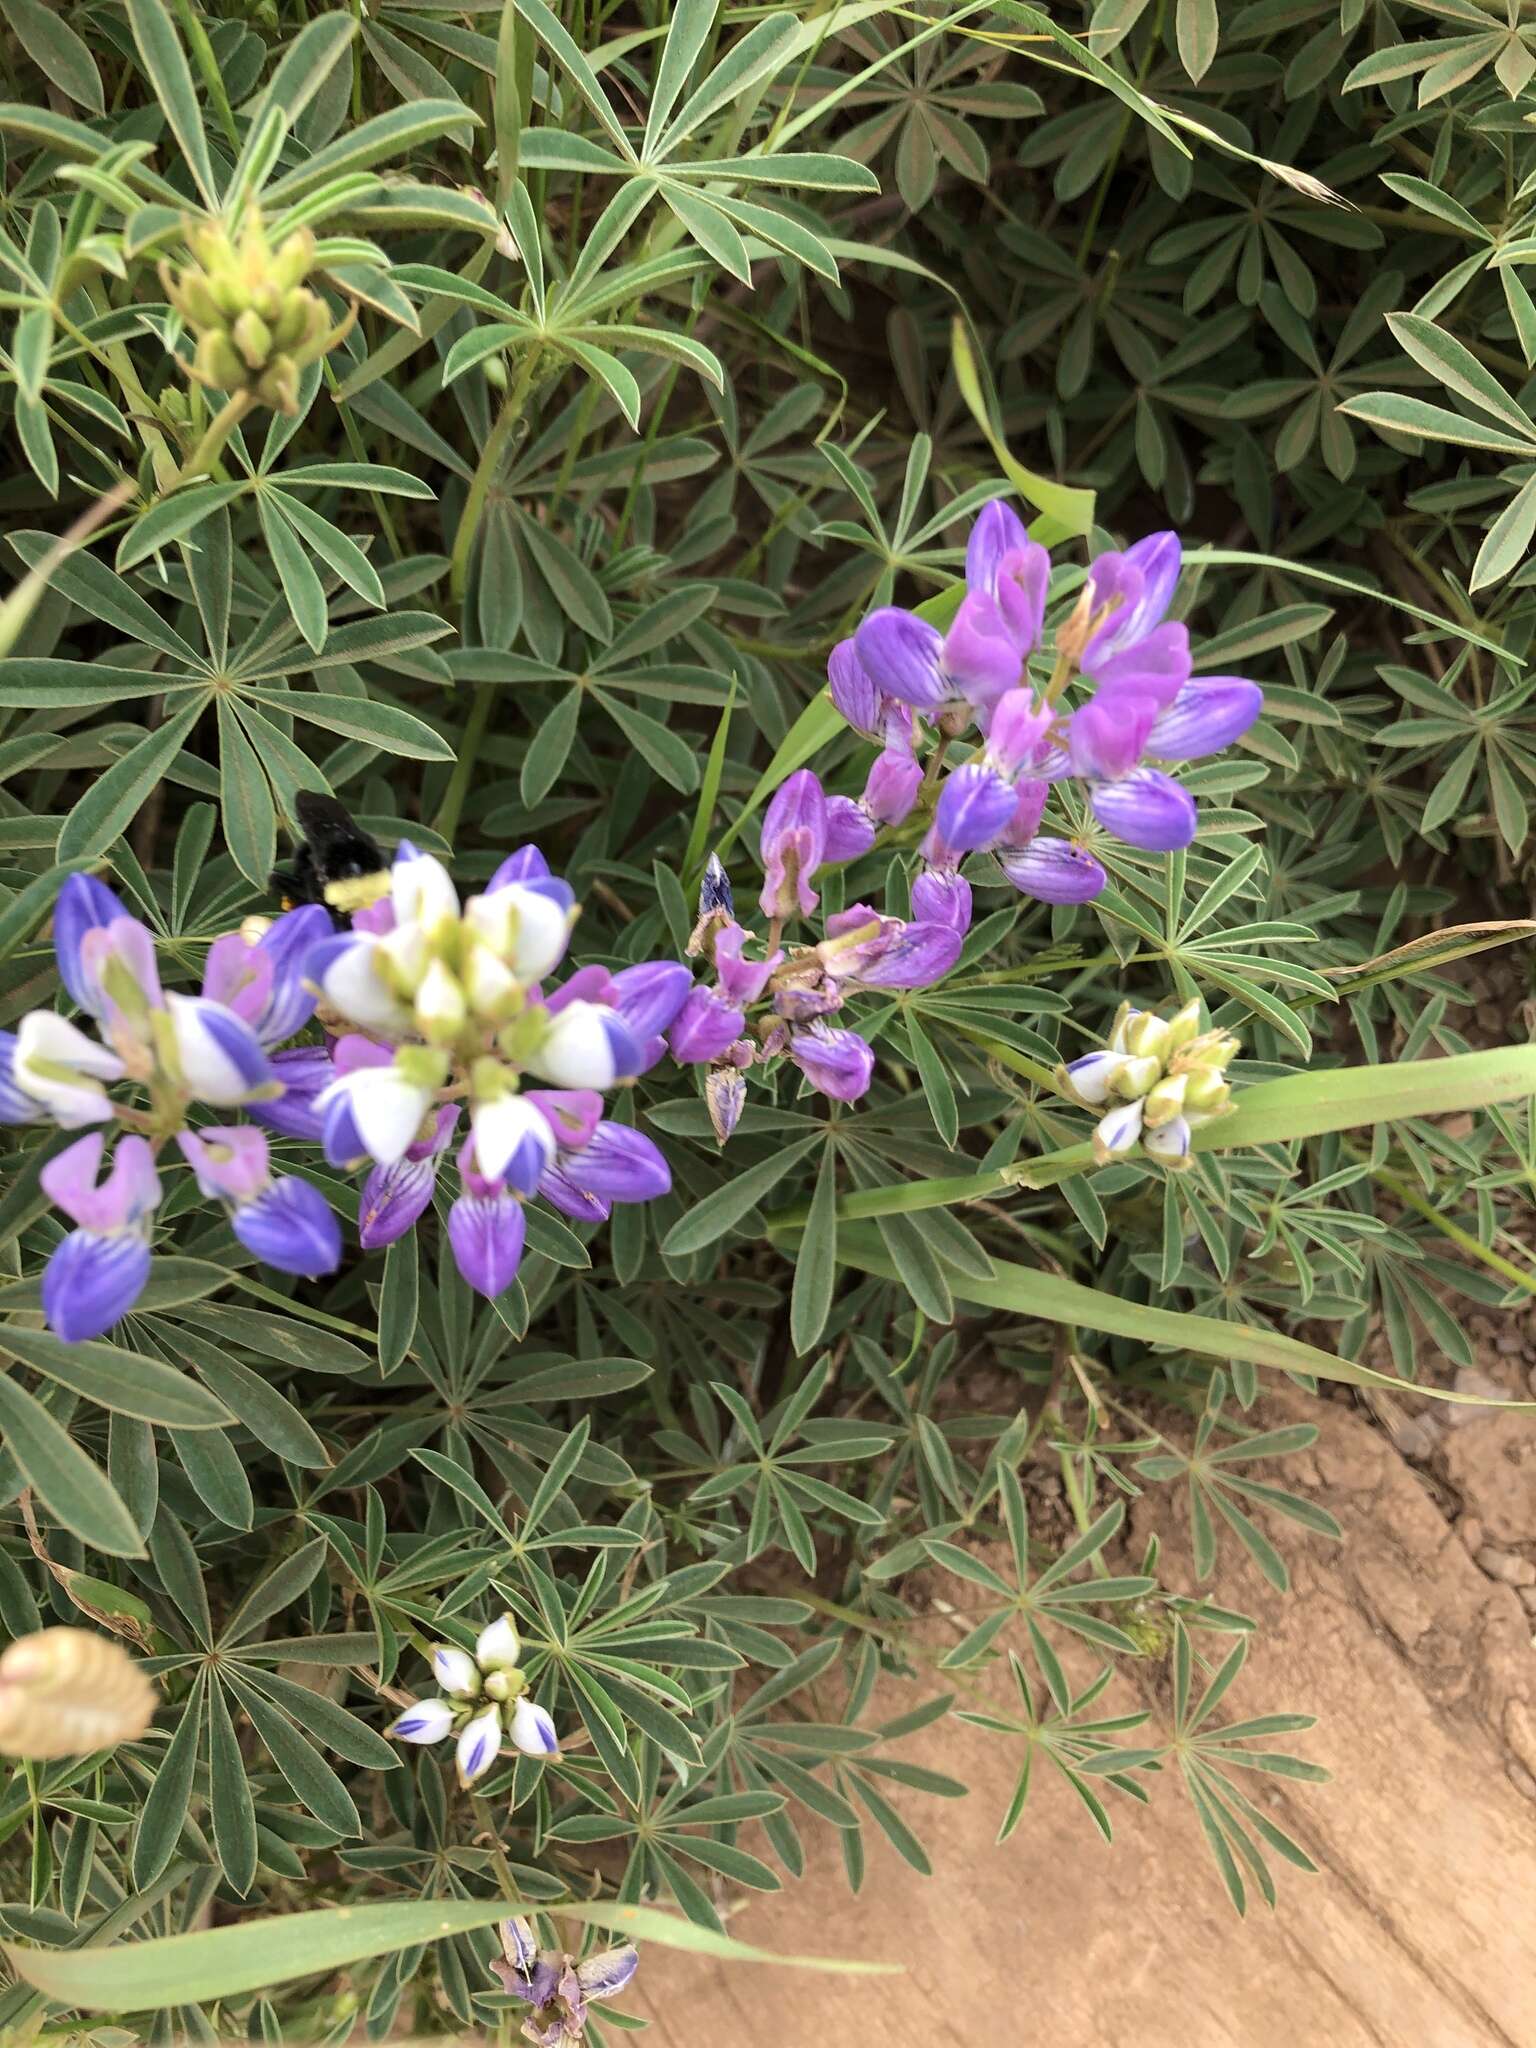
<point x="1507" y="1568"/>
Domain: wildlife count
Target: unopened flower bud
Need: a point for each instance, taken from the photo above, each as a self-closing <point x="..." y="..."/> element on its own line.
<point x="1147" y="1037"/>
<point x="1206" y="1094"/>
<point x="1165" y="1101"/>
<point x="1184" y="1025"/>
<point x="1136" y="1077"/>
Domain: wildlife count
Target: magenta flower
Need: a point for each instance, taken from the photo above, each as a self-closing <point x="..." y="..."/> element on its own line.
<point x="794" y="845"/>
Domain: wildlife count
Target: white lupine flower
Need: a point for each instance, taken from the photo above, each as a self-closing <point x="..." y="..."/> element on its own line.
<point x="426" y="1721"/>
<point x="354" y="982"/>
<point x="497" y="1647"/>
<point x="1157" y="1081"/>
<point x="58" y="1066"/>
<point x="532" y="1730"/>
<point x="423" y="893"/>
<point x="1115" y="1134"/>
<point x="478" y="1746"/>
<point x="1169" y="1142"/>
<point x="523" y="926"/>
<point x="455" y="1670"/>
<point x="485" y="1701"/>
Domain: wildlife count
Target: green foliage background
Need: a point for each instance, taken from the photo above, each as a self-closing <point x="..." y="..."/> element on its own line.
<point x="684" y="334"/>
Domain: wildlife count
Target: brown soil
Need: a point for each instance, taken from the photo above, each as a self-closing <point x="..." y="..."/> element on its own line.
<point x="1412" y="1644"/>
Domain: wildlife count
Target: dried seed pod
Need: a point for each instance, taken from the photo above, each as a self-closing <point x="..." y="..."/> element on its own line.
<point x="67" y="1691"/>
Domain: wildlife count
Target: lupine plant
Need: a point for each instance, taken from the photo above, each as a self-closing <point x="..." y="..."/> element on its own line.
<point x="939" y="725"/>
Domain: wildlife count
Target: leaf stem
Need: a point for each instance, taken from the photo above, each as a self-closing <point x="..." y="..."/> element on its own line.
<point x="220" y="427"/>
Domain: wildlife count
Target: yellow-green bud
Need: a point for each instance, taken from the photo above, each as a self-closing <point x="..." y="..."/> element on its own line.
<point x="217" y="362"/>
<point x="1205" y="1093"/>
<point x="422" y="1066"/>
<point x="1147" y="1037"/>
<point x="253" y="338"/>
<point x="1184" y="1025"/>
<point x="1165" y="1101"/>
<point x="1136" y="1077"/>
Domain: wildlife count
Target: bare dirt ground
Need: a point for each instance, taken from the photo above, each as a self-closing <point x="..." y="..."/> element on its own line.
<point x="1412" y="1644"/>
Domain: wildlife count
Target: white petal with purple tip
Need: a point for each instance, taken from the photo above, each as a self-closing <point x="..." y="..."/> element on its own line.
<point x="1118" y="1131"/>
<point x="532" y="1731"/>
<point x="426" y="1721"/>
<point x="478" y="1745"/>
<point x="455" y="1670"/>
<point x="1093" y="1074"/>
<point x="1169" y="1142"/>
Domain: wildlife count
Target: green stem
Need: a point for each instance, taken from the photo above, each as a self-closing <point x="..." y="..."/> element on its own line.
<point x="220" y="427"/>
<point x="1412" y="1199"/>
<point x="486" y="469"/>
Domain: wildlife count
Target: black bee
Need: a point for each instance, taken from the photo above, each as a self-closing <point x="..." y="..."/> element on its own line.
<point x="335" y="864"/>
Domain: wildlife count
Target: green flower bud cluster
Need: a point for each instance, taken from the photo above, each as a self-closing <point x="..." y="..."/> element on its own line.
<point x="256" y="322"/>
<point x="1158" y="1080"/>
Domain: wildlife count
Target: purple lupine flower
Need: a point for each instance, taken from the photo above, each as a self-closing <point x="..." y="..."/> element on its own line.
<point x="793" y="846"/>
<point x="395" y="1197"/>
<point x="118" y="961"/>
<point x="1054" y="871"/>
<point x="943" y="896"/>
<point x="836" y="1062"/>
<point x="285" y="1221"/>
<point x="303" y="1071"/>
<point x="485" y="1697"/>
<point x="741" y="980"/>
<point x="572" y="1114"/>
<point x="1204" y="717"/>
<point x="84" y="904"/>
<point x="264" y="983"/>
<point x="16" y="1105"/>
<point x="220" y="1058"/>
<point x="892" y="787"/>
<point x="1147" y="809"/>
<point x="976" y="661"/>
<point x="526" y="864"/>
<point x="291" y="1226"/>
<point x="851" y="831"/>
<point x="1135" y="589"/>
<point x="96" y="1274"/>
<point x="558" y="1987"/>
<point x="886" y="952"/>
<point x="1004" y="564"/>
<point x="996" y="532"/>
<point x="1156" y="666"/>
<point x="647" y="997"/>
<point x="1028" y="809"/>
<point x="974" y="807"/>
<point x="1107" y="738"/>
<point x="704" y="1027"/>
<point x="616" y="1164"/>
<point x="981" y="654"/>
<point x="486" y="1229"/>
<point x="867" y="709"/>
